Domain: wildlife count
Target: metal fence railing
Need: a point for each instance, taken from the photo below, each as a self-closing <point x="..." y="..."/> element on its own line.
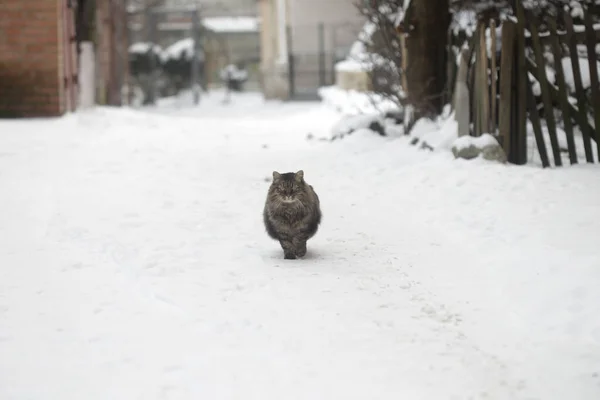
<point x="313" y="52"/>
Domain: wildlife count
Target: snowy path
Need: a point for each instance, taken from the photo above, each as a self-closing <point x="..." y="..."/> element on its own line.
<point x="134" y="265"/>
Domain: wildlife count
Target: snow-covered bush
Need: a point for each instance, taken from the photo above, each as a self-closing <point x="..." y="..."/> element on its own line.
<point x="146" y="63"/>
<point x="163" y="72"/>
<point x="377" y="49"/>
<point x="144" y="58"/>
<point x="234" y="77"/>
<point x="179" y="58"/>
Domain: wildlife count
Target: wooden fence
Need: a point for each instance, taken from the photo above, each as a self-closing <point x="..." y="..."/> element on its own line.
<point x="501" y="92"/>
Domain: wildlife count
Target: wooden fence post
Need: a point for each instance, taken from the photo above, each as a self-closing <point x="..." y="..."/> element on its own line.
<point x="483" y="103"/>
<point x="461" y="95"/>
<point x="506" y="76"/>
<point x="493" y="79"/>
<point x="537" y="126"/>
<point x="519" y="130"/>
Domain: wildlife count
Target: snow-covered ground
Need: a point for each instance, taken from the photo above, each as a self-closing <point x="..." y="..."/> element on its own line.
<point x="134" y="264"/>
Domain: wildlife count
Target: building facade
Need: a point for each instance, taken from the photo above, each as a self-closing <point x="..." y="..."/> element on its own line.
<point x="40" y="46"/>
<point x="35" y="56"/>
<point x="300" y="42"/>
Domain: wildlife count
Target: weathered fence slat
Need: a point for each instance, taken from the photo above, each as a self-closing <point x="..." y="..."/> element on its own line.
<point x="579" y="37"/>
<point x="450" y="69"/>
<point x="477" y="129"/>
<point x="472" y="83"/>
<point x="520" y="129"/>
<point x="543" y="82"/>
<point x="537" y="126"/>
<point x="581" y="100"/>
<point x="591" y="43"/>
<point x="562" y="91"/>
<point x="462" y="95"/>
<point x="505" y="104"/>
<point x="493" y="79"/>
<point x="555" y="97"/>
<point x="484" y="102"/>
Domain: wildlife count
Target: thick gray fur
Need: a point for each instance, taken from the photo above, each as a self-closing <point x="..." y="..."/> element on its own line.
<point x="292" y="212"/>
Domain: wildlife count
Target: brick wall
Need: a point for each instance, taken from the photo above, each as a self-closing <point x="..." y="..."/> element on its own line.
<point x="30" y="58"/>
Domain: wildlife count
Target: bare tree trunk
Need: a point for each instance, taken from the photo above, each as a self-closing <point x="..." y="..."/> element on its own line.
<point x="427" y="24"/>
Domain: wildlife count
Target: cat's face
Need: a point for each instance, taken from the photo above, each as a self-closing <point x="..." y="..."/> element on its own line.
<point x="288" y="187"/>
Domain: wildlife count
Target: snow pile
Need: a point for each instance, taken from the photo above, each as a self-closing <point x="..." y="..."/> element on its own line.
<point x="232" y="72"/>
<point x="361" y="112"/>
<point x="479" y="142"/>
<point x="350" y="102"/>
<point x="438" y="134"/>
<point x="133" y="253"/>
<point x="363" y="123"/>
<point x="231" y="24"/>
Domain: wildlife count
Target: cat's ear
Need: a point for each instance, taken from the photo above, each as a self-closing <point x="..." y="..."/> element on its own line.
<point x="299" y="176"/>
<point x="276" y="175"/>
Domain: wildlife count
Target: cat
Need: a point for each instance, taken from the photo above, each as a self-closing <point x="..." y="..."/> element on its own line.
<point x="292" y="213"/>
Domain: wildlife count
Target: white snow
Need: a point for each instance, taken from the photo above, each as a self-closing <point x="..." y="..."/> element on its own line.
<point x="144" y="47"/>
<point x="181" y="48"/>
<point x="584" y="68"/>
<point x="488" y="40"/>
<point x="479" y="142"/>
<point x="576" y="10"/>
<point x="550" y="76"/>
<point x="350" y="65"/>
<point x="464" y="20"/>
<point x="350" y="102"/>
<point x="231" y="71"/>
<point x="359" y="59"/>
<point x="134" y="264"/>
<point x="439" y="134"/>
<point x="231" y="24"/>
<point x="401" y="13"/>
<point x="354" y="123"/>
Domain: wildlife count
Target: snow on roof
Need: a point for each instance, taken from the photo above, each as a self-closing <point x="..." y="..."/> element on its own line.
<point x="231" y="24"/>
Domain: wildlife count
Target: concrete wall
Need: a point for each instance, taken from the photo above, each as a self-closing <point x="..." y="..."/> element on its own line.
<point x="31" y="47"/>
<point x="341" y="25"/>
<point x="340" y="19"/>
<point x="274" y="75"/>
